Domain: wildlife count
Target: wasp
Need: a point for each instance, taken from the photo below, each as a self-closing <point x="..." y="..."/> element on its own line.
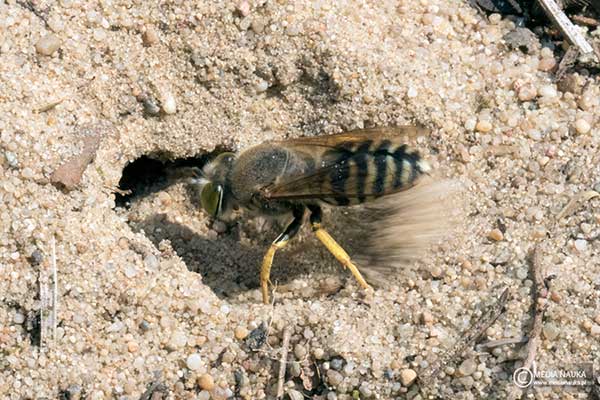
<point x="291" y="177"/>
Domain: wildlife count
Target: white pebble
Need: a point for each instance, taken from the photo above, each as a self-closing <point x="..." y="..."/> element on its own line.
<point x="582" y="126"/>
<point x="194" y="362"/>
<point x="261" y="86"/>
<point x="169" y="105"/>
<point x="548" y="91"/>
<point x="470" y="124"/>
<point x="48" y="45"/>
<point x="412" y="92"/>
<point x="581" y="245"/>
<point x="19" y="318"/>
<point x="130" y="271"/>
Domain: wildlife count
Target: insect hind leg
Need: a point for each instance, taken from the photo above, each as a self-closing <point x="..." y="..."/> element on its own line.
<point x="290" y="231"/>
<point x="334" y="248"/>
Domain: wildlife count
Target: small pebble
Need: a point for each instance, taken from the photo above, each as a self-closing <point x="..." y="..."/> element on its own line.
<point x="168" y="103"/>
<point x="150" y="36"/>
<point x="133" y="347"/>
<point x="19" y="318"/>
<point x="123" y="243"/>
<point x="548" y="92"/>
<point x="580" y="245"/>
<point x="550" y="331"/>
<point x="582" y="126"/>
<point x="407" y="377"/>
<point x="484" y="126"/>
<point x="11" y="158"/>
<point x="261" y="86"/>
<point x="337" y="364"/>
<point x="595" y="330"/>
<point x="365" y="390"/>
<point x="48" y="44"/>
<point x="244" y="8"/>
<point x="300" y="351"/>
<point x="436" y="271"/>
<point x="467" y="367"/>
<point x="547" y="64"/>
<point x="241" y="332"/>
<point x="495" y="18"/>
<point x="527" y="92"/>
<point x="318" y="353"/>
<point x="426" y="318"/>
<point x="194" y="362"/>
<point x="496" y="235"/>
<point x="130" y="271"/>
<point x="334" y="377"/>
<point x="295" y="369"/>
<point x="204" y="395"/>
<point x="206" y="382"/>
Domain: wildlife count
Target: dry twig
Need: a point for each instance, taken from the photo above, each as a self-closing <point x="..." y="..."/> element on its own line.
<point x="540" y="294"/>
<point x="583" y="20"/>
<point x="471" y="335"/>
<point x="501" y="342"/>
<point x="574" y="202"/>
<point x="287" y="333"/>
<point x="54" y="290"/>
<point x="564" y="24"/>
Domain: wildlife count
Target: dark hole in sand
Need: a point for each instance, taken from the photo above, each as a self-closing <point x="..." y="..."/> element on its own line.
<point x="228" y="264"/>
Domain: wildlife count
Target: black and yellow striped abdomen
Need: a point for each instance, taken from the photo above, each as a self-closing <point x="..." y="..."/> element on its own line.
<point x="363" y="171"/>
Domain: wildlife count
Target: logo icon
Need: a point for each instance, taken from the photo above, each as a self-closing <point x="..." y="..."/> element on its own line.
<point x="523" y="377"/>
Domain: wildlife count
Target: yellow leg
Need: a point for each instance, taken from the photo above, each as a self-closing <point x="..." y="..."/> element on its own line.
<point x="339" y="253"/>
<point x="334" y="248"/>
<point x="290" y="231"/>
<point x="265" y="270"/>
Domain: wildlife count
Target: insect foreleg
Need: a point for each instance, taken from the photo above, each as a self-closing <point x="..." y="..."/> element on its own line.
<point x="290" y="231"/>
<point x="334" y="248"/>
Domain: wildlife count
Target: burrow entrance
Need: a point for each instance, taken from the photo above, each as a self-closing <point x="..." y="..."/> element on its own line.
<point x="158" y="199"/>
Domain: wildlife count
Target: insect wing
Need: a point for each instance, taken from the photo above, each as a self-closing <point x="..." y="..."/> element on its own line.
<point x="353" y="167"/>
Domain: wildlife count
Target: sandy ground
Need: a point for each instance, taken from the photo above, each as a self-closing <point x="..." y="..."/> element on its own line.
<point x="155" y="296"/>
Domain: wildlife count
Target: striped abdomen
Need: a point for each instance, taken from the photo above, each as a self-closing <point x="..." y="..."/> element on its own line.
<point x="365" y="170"/>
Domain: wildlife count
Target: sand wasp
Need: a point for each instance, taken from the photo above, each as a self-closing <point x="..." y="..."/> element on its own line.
<point x="292" y="176"/>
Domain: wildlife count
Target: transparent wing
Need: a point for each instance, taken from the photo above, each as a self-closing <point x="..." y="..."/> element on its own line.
<point x="353" y="165"/>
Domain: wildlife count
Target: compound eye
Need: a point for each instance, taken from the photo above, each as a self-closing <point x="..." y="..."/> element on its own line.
<point x="211" y="197"/>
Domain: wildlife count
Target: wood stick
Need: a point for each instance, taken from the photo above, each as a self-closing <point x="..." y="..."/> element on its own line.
<point x="501" y="342"/>
<point x="565" y="25"/>
<point x="540" y="294"/>
<point x="469" y="337"/>
<point x="287" y="333"/>
<point x="54" y="290"/>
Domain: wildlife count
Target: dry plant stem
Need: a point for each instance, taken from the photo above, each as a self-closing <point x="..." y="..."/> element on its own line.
<point x="565" y="25"/>
<point x="575" y="201"/>
<point x="287" y="333"/>
<point x="471" y="335"/>
<point x="501" y="342"/>
<point x="540" y="294"/>
<point x="54" y="290"/>
<point x="583" y="20"/>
